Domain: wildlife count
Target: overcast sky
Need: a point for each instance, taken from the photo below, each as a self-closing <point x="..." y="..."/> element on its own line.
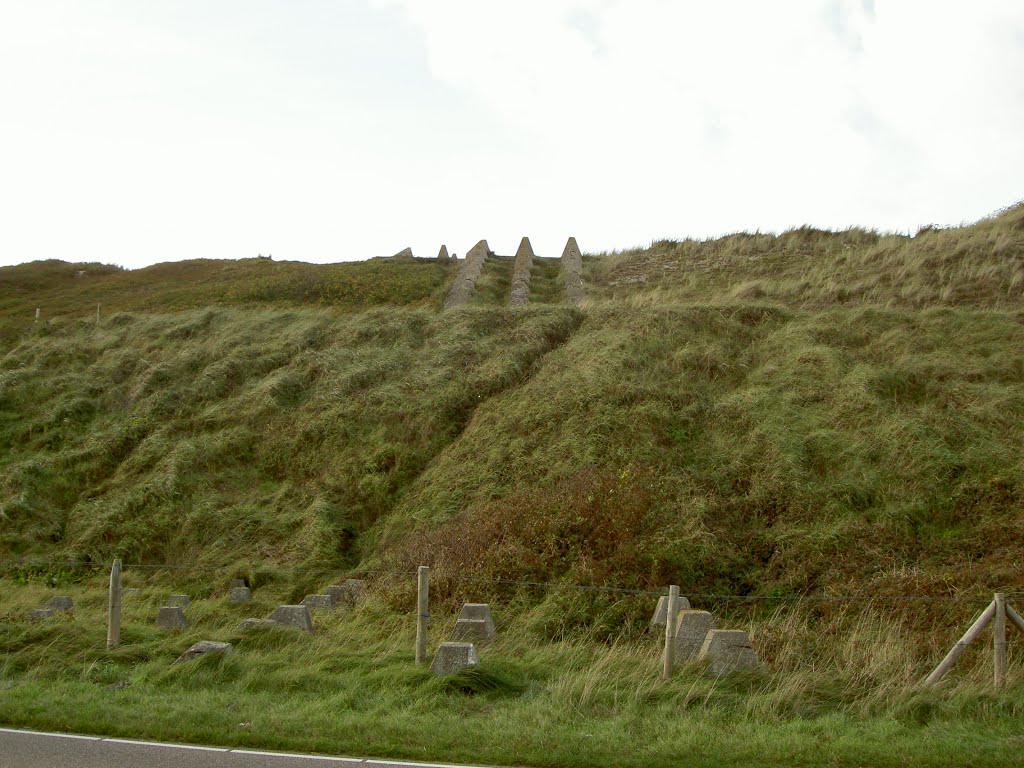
<point x="139" y="131"/>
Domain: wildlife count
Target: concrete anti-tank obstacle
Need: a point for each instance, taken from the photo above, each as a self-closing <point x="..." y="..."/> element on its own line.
<point x="239" y="595"/>
<point x="346" y="593"/>
<point x="691" y="631"/>
<point x="41" y="613"/>
<point x="318" y="601"/>
<point x="442" y="255"/>
<point x="726" y="651"/>
<point x="237" y="583"/>
<point x="451" y="657"/>
<point x="205" y="646"/>
<point x="661" y="611"/>
<point x="475" y="623"/>
<point x="405" y="252"/>
<point x="465" y="282"/>
<point x="171" y="617"/>
<point x="519" y="295"/>
<point x="293" y="616"/>
<point x="60" y="603"/>
<point x="572" y="269"/>
<point x="181" y="601"/>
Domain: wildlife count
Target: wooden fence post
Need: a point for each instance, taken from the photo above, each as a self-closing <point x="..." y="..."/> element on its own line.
<point x="114" y="607"/>
<point x="422" y="606"/>
<point x="969" y="636"/>
<point x="671" y="618"/>
<point x="999" y="640"/>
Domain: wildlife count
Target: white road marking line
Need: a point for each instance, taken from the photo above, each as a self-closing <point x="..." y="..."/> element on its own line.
<point x="403" y="763"/>
<point x="165" y="745"/>
<point x="293" y="755"/>
<point x="49" y="733"/>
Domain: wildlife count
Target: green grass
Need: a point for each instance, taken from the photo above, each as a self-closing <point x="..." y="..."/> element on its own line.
<point x="818" y="413"/>
<point x="352" y="688"/>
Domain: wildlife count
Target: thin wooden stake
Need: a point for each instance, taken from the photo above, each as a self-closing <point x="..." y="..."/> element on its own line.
<point x="114" y="607"/>
<point x="422" y="606"/>
<point x="969" y="636"/>
<point x="1014" y="617"/>
<point x="671" y="619"/>
<point x="999" y="640"/>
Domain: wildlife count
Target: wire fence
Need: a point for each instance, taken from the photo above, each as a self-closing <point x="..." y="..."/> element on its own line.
<point x="14" y="563"/>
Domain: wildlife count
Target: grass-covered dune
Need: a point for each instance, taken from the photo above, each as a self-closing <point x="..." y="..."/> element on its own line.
<point x="767" y="416"/>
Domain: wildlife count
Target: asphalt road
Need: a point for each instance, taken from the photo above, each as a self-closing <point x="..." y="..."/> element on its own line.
<point x="31" y="749"/>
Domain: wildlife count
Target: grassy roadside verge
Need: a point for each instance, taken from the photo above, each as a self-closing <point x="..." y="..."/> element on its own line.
<point x="351" y="688"/>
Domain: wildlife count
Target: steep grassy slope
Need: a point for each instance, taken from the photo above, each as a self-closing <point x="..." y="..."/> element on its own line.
<point x="716" y="415"/>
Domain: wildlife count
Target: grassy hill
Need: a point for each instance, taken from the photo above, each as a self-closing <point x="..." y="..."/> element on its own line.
<point x="812" y="413"/>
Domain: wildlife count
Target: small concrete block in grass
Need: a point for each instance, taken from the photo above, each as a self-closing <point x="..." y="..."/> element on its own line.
<point x="238" y="583"/>
<point x="472" y="630"/>
<point x="661" y="612"/>
<point x="205" y="646"/>
<point x="239" y="595"/>
<point x="180" y="601"/>
<point x="171" y="617"/>
<point x="60" y="603"/>
<point x="728" y="650"/>
<point x="41" y="613"/>
<point x="478" y="612"/>
<point x="346" y="593"/>
<point x="293" y="616"/>
<point x="451" y="657"/>
<point x="318" y="601"/>
<point x="691" y="630"/>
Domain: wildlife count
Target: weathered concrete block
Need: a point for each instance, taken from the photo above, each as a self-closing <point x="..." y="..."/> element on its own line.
<point x="479" y="611"/>
<point x="239" y="595"/>
<point x="661" y="612"/>
<point x="181" y="601"/>
<point x="346" y="593"/>
<point x="171" y="617"/>
<point x="318" y="601"/>
<point x="728" y="650"/>
<point x="451" y="657"/>
<point x="442" y="255"/>
<point x="692" y="628"/>
<point x="41" y="613"/>
<point x="293" y="616"/>
<point x="472" y="630"/>
<point x="60" y="603"/>
<point x="405" y="252"/>
<point x="519" y="295"/>
<point x="465" y="282"/>
<point x="572" y="271"/>
<point x="238" y="583"/>
<point x="205" y="646"/>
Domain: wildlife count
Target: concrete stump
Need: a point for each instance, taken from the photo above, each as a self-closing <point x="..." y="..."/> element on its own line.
<point x="479" y="611"/>
<point x="293" y="616"/>
<point x="318" y="601"/>
<point x="181" y="601"/>
<point x="205" y="646"/>
<point x="472" y="630"/>
<point x="451" y="657"/>
<point x="41" y="613"/>
<point x="239" y="595"/>
<point x="238" y="583"/>
<point x="60" y="603"/>
<point x="661" y="612"/>
<point x="346" y="593"/>
<point x="171" y="617"/>
<point x="728" y="650"/>
<point x="691" y="630"/>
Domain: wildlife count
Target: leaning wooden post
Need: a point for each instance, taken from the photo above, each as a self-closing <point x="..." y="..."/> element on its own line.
<point x="422" y="606"/>
<point x="1014" y="617"/>
<point x="671" y="619"/>
<point x="969" y="636"/>
<point x="999" y="640"/>
<point x="114" y="607"/>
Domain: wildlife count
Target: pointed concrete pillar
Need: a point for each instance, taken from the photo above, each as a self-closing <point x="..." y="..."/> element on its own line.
<point x="520" y="293"/>
<point x="572" y="269"/>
